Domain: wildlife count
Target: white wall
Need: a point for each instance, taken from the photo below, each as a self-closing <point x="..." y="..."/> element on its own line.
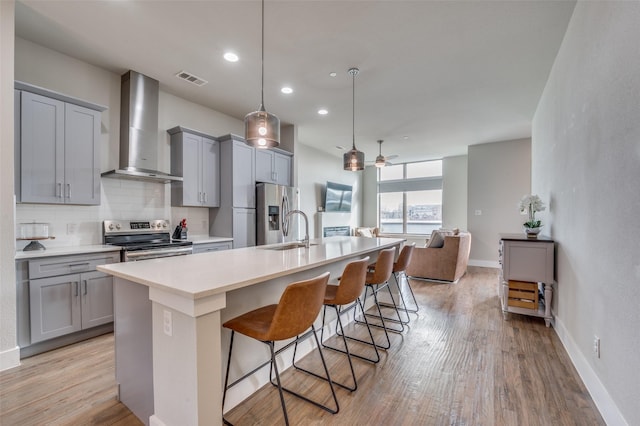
<point x="586" y="161"/>
<point x="9" y="351"/>
<point x="454" y="192"/>
<point x="316" y="167"/>
<point x="499" y="175"/>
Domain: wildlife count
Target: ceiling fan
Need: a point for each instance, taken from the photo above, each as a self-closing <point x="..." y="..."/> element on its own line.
<point x="381" y="160"/>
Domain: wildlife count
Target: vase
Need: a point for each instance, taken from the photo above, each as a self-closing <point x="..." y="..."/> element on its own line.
<point x="532" y="232"/>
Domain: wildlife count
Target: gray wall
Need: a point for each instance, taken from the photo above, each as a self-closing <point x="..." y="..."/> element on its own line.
<point x="586" y="161"/>
<point x="499" y="175"/>
<point x="316" y="167"/>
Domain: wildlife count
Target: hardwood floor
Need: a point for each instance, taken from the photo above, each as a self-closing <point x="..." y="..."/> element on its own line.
<point x="460" y="363"/>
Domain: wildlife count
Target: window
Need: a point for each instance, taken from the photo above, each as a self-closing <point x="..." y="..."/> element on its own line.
<point x="410" y="198"/>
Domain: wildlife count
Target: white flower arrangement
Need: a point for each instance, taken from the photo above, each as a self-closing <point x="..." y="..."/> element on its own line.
<point x="531" y="204"/>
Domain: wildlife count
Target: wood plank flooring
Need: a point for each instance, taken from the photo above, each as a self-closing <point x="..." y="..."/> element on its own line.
<point x="459" y="363"/>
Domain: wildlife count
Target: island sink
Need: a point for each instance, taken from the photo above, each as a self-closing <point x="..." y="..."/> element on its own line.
<point x="288" y="246"/>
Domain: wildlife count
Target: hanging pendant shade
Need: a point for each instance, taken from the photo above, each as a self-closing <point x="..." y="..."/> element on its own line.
<point x="353" y="160"/>
<point x="262" y="129"/>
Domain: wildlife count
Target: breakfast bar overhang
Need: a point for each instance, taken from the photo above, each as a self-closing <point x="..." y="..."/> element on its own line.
<point x="168" y="315"/>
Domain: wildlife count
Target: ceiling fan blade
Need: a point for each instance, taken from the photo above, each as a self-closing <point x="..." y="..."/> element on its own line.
<point x="391" y="157"/>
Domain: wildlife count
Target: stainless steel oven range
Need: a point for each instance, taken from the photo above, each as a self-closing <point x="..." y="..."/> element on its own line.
<point x="143" y="239"/>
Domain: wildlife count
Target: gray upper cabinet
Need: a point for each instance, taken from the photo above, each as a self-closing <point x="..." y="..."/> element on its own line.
<point x="196" y="157"/>
<point x="57" y="149"/>
<point x="273" y="167"/>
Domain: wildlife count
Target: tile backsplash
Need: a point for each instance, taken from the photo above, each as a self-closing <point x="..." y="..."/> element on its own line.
<point x="120" y="199"/>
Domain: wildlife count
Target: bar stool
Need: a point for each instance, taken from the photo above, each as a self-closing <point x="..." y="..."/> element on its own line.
<point x="295" y="313"/>
<point x="337" y="296"/>
<point x="399" y="268"/>
<point x="375" y="281"/>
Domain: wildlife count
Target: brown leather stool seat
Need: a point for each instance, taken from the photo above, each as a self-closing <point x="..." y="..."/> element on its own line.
<point x="294" y="314"/>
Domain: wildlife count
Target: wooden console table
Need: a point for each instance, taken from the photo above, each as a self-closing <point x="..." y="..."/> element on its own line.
<point x="527" y="259"/>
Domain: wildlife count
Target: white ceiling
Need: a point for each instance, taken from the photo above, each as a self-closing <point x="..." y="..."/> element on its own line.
<point x="435" y="76"/>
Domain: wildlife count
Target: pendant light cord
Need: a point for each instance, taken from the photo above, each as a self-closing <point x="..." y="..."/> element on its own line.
<point x="353" y="111"/>
<point x="262" y="63"/>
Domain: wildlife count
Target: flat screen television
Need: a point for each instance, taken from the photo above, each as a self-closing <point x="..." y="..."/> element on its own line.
<point x="338" y="197"/>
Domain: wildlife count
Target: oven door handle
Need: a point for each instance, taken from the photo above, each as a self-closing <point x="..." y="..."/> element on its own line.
<point x="152" y="254"/>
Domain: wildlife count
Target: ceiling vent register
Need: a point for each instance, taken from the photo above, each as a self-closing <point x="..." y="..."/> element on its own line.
<point x="187" y="76"/>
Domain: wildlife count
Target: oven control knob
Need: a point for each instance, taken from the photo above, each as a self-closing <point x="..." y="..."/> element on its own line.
<point x="164" y="224"/>
<point x="117" y="226"/>
<point x="111" y="227"/>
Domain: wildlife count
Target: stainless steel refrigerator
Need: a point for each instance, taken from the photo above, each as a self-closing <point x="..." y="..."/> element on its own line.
<point x="273" y="202"/>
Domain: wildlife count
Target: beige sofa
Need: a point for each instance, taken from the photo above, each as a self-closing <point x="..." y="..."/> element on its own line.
<point x="446" y="263"/>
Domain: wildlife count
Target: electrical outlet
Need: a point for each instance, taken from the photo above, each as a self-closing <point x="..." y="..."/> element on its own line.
<point x="72" y="228"/>
<point x="478" y="212"/>
<point x="596" y="346"/>
<point x="168" y="323"/>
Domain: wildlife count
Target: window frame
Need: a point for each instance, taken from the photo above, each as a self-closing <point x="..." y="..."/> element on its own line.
<point x="404" y="186"/>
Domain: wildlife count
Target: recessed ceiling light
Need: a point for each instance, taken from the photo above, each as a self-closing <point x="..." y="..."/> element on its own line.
<point x="405" y="137"/>
<point x="333" y="74"/>
<point x="323" y="111"/>
<point x="286" y="90"/>
<point x="231" y="57"/>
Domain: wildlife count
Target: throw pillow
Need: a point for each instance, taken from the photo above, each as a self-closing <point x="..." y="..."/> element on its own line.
<point x="436" y="240"/>
<point x="365" y="232"/>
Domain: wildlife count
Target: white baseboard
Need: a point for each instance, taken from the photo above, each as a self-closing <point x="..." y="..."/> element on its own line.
<point x="607" y="407"/>
<point x="484" y="263"/>
<point x="10" y="358"/>
<point x="155" y="421"/>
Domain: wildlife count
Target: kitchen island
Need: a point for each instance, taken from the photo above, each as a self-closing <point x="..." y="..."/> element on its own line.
<point x="168" y="316"/>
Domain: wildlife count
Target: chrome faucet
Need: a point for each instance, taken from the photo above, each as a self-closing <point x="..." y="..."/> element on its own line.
<point x="306" y="225"/>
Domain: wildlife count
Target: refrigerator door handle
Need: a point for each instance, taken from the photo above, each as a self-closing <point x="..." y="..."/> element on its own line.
<point x="285" y="210"/>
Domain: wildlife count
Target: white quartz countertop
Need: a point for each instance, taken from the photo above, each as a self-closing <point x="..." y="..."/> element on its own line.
<point x="204" y="239"/>
<point x="206" y="274"/>
<point x="65" y="251"/>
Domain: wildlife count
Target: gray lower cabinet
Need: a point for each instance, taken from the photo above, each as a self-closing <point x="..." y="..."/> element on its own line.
<point x="273" y="167"/>
<point x="207" y="247"/>
<point x="61" y="295"/>
<point x="196" y="157"/>
<point x="62" y="305"/>
<point x="57" y="150"/>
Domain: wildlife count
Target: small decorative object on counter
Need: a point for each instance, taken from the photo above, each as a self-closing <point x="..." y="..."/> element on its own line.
<point x="34" y="232"/>
<point x="530" y="204"/>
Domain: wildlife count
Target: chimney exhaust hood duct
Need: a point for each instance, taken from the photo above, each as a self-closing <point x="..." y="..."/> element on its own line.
<point x="139" y="131"/>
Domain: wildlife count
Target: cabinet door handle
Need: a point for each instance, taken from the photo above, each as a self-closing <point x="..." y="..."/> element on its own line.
<point x="204" y="198"/>
<point x="59" y="191"/>
<point x="85" y="287"/>
<point x="76" y="287"/>
<point x="200" y="197"/>
<point x="68" y="190"/>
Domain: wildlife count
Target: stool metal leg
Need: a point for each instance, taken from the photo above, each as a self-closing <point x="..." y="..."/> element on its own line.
<point x="344" y="336"/>
<point x="328" y="379"/>
<point x="379" y="316"/>
<point x="274" y="366"/>
<point x="346" y="351"/>
<point x="393" y="305"/>
<point x="226" y="378"/>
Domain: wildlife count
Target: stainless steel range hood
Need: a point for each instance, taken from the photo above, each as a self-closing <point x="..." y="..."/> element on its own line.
<point x="139" y="131"/>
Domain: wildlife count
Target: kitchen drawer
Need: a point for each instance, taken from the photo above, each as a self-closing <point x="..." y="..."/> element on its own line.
<point x="62" y="265"/>
<point x="207" y="247"/>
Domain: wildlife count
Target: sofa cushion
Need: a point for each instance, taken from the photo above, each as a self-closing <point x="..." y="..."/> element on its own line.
<point x="437" y="238"/>
<point x="365" y="231"/>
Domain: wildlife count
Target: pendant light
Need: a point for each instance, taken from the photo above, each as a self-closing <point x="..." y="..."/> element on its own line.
<point x="354" y="160"/>
<point x="262" y="129"/>
<point x="380" y="160"/>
